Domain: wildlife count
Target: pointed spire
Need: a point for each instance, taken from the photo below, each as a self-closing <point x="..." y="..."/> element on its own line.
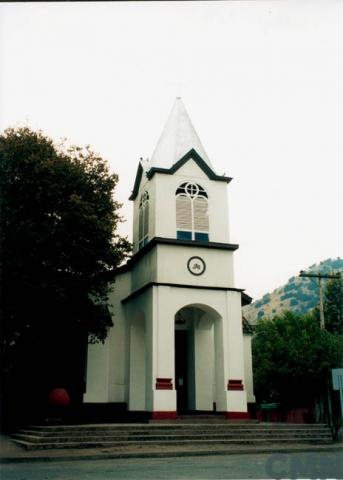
<point x="177" y="139"/>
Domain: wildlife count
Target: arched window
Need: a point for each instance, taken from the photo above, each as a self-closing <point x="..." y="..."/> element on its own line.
<point x="143" y="226"/>
<point x="192" y="212"/>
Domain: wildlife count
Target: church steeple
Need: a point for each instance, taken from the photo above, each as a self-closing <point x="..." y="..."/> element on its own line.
<point x="177" y="195"/>
<point x="177" y="139"/>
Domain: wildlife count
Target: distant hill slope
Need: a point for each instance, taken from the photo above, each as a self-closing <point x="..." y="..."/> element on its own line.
<point x="298" y="295"/>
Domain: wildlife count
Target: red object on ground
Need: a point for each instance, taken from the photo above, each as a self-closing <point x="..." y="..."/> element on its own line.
<point x="58" y="397"/>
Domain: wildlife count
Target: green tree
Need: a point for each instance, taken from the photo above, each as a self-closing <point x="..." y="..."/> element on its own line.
<point x="292" y="359"/>
<point x="333" y="305"/>
<point x="58" y="246"/>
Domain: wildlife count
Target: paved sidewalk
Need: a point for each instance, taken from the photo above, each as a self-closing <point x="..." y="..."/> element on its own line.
<point x="11" y="452"/>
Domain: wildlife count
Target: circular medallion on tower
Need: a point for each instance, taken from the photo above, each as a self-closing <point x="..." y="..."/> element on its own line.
<point x="196" y="266"/>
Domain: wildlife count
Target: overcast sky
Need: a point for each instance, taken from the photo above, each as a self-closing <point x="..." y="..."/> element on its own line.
<point x="262" y="82"/>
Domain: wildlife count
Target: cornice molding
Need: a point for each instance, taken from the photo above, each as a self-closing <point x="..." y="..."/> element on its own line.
<point x="141" y="290"/>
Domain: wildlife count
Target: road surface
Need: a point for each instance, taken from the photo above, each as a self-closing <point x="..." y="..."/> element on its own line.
<point x="245" y="466"/>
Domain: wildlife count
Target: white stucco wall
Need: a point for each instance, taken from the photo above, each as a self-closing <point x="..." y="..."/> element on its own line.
<point x="172" y="266"/>
<point x="106" y="363"/>
<point x="137" y="359"/>
<point x="97" y="385"/>
<point x="145" y="270"/>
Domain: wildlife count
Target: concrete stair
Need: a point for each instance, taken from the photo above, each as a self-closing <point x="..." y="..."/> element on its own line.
<point x="208" y="433"/>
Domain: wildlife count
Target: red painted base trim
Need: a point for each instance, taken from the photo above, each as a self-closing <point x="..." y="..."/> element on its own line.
<point x="238" y="415"/>
<point x="163" y="415"/>
<point x="164" y="384"/>
<point x="235" y="385"/>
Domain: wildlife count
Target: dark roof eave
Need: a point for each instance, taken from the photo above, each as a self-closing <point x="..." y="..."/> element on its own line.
<point x="246" y="299"/>
<point x="138" y="178"/>
<point x="192" y="154"/>
<point x="142" y="289"/>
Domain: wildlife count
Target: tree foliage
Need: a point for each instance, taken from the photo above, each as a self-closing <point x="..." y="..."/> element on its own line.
<point x="333" y="305"/>
<point x="58" y="239"/>
<point x="292" y="358"/>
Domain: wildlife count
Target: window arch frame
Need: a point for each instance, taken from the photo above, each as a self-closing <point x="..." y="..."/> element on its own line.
<point x="143" y="219"/>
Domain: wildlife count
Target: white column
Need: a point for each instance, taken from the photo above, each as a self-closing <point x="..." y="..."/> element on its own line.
<point x="221" y="364"/>
<point x="160" y="335"/>
<point x="237" y="398"/>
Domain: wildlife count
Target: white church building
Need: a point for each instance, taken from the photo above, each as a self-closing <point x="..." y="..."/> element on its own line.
<point x="178" y="343"/>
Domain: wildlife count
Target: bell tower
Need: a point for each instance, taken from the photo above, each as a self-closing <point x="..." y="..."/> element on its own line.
<point x="177" y="194"/>
<point x="181" y="236"/>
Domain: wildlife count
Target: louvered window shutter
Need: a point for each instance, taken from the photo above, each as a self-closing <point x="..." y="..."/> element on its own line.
<point x="146" y="220"/>
<point x="183" y="213"/>
<point x="200" y="209"/>
<point x="140" y="225"/>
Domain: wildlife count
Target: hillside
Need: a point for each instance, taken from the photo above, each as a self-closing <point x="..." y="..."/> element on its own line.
<point x="298" y="295"/>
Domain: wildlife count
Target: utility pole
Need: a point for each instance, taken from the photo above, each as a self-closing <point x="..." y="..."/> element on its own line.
<point x="320" y="277"/>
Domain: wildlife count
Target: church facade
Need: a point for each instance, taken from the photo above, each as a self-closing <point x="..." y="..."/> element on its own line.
<point x="178" y="342"/>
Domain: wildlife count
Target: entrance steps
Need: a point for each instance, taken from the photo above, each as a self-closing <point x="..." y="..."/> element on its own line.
<point x="197" y="434"/>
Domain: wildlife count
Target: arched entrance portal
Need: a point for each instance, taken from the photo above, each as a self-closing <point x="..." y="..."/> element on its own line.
<point x="197" y="356"/>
